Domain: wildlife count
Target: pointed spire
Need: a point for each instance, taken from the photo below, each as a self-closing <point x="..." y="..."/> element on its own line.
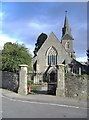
<point x="66" y="20"/>
<point x="66" y="29"/>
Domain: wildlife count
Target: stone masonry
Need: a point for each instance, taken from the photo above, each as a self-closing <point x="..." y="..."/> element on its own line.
<point x="23" y="80"/>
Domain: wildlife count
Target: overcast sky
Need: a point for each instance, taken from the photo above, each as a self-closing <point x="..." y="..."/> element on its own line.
<point x="24" y="22"/>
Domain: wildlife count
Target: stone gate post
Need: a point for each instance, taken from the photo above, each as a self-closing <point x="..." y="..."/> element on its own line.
<point x="60" y="91"/>
<point x="23" y="80"/>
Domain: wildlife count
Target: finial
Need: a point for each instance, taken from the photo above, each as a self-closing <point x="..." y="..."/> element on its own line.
<point x="66" y="12"/>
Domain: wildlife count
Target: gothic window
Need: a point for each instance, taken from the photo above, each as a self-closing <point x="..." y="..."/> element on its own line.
<point x="51" y="56"/>
<point x="67" y="45"/>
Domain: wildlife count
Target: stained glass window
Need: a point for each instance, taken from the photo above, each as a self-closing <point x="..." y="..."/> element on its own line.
<point x="52" y="56"/>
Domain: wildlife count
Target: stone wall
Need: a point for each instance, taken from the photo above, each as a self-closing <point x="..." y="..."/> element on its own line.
<point x="76" y="86"/>
<point x="0" y="79"/>
<point x="9" y="81"/>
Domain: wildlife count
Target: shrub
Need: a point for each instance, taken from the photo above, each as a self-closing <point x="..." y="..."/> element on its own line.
<point x="34" y="88"/>
<point x="30" y="82"/>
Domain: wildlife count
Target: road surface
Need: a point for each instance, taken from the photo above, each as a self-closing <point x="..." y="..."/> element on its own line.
<point x="12" y="108"/>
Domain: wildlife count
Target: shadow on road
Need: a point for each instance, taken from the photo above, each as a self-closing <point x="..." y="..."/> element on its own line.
<point x="41" y="92"/>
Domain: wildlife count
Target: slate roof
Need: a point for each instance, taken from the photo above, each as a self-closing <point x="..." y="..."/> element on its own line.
<point x="67" y="37"/>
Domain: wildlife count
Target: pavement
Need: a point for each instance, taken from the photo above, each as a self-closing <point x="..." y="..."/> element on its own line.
<point x="45" y="99"/>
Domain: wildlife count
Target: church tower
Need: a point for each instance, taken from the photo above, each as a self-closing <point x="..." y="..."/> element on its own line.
<point x="67" y="39"/>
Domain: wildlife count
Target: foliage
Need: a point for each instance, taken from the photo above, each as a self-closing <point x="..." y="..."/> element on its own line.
<point x="67" y="75"/>
<point x="88" y="54"/>
<point x="14" y="54"/>
<point x="40" y="40"/>
<point x="44" y="83"/>
<point x="70" y="75"/>
<point x="34" y="88"/>
<point x="0" y="59"/>
<point x="30" y="82"/>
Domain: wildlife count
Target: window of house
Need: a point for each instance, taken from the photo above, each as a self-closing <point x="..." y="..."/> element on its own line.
<point x="51" y="56"/>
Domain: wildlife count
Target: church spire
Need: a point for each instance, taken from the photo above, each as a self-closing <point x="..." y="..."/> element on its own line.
<point x="66" y="29"/>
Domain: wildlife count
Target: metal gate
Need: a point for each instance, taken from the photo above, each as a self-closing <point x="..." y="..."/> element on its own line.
<point x="52" y="82"/>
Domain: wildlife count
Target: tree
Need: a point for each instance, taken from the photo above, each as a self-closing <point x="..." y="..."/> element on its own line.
<point x="88" y="62"/>
<point x="0" y="59"/>
<point x="14" y="54"/>
<point x="40" y="40"/>
<point x="88" y="54"/>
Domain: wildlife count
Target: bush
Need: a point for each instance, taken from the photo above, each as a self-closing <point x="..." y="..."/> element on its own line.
<point x="34" y="88"/>
<point x="13" y="55"/>
<point x="30" y="82"/>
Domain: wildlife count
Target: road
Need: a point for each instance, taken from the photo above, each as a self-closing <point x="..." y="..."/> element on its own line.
<point x="12" y="108"/>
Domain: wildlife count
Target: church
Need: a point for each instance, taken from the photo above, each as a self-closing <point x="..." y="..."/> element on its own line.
<point x="54" y="58"/>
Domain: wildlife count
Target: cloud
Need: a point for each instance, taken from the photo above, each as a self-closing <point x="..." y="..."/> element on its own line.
<point x="41" y="26"/>
<point x="79" y="32"/>
<point x="37" y="25"/>
<point x="6" y="38"/>
<point x="25" y="26"/>
<point x="82" y="59"/>
<point x="31" y="48"/>
<point x="1" y="14"/>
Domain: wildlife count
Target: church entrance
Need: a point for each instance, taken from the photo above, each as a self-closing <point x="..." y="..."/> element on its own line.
<point x="52" y="82"/>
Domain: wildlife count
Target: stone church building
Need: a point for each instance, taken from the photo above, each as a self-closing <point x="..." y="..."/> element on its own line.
<point x="55" y="58"/>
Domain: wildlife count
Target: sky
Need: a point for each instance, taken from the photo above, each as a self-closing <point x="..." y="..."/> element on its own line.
<point x="23" y="22"/>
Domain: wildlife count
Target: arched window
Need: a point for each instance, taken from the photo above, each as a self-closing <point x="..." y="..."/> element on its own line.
<point x="67" y="45"/>
<point x="51" y="56"/>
